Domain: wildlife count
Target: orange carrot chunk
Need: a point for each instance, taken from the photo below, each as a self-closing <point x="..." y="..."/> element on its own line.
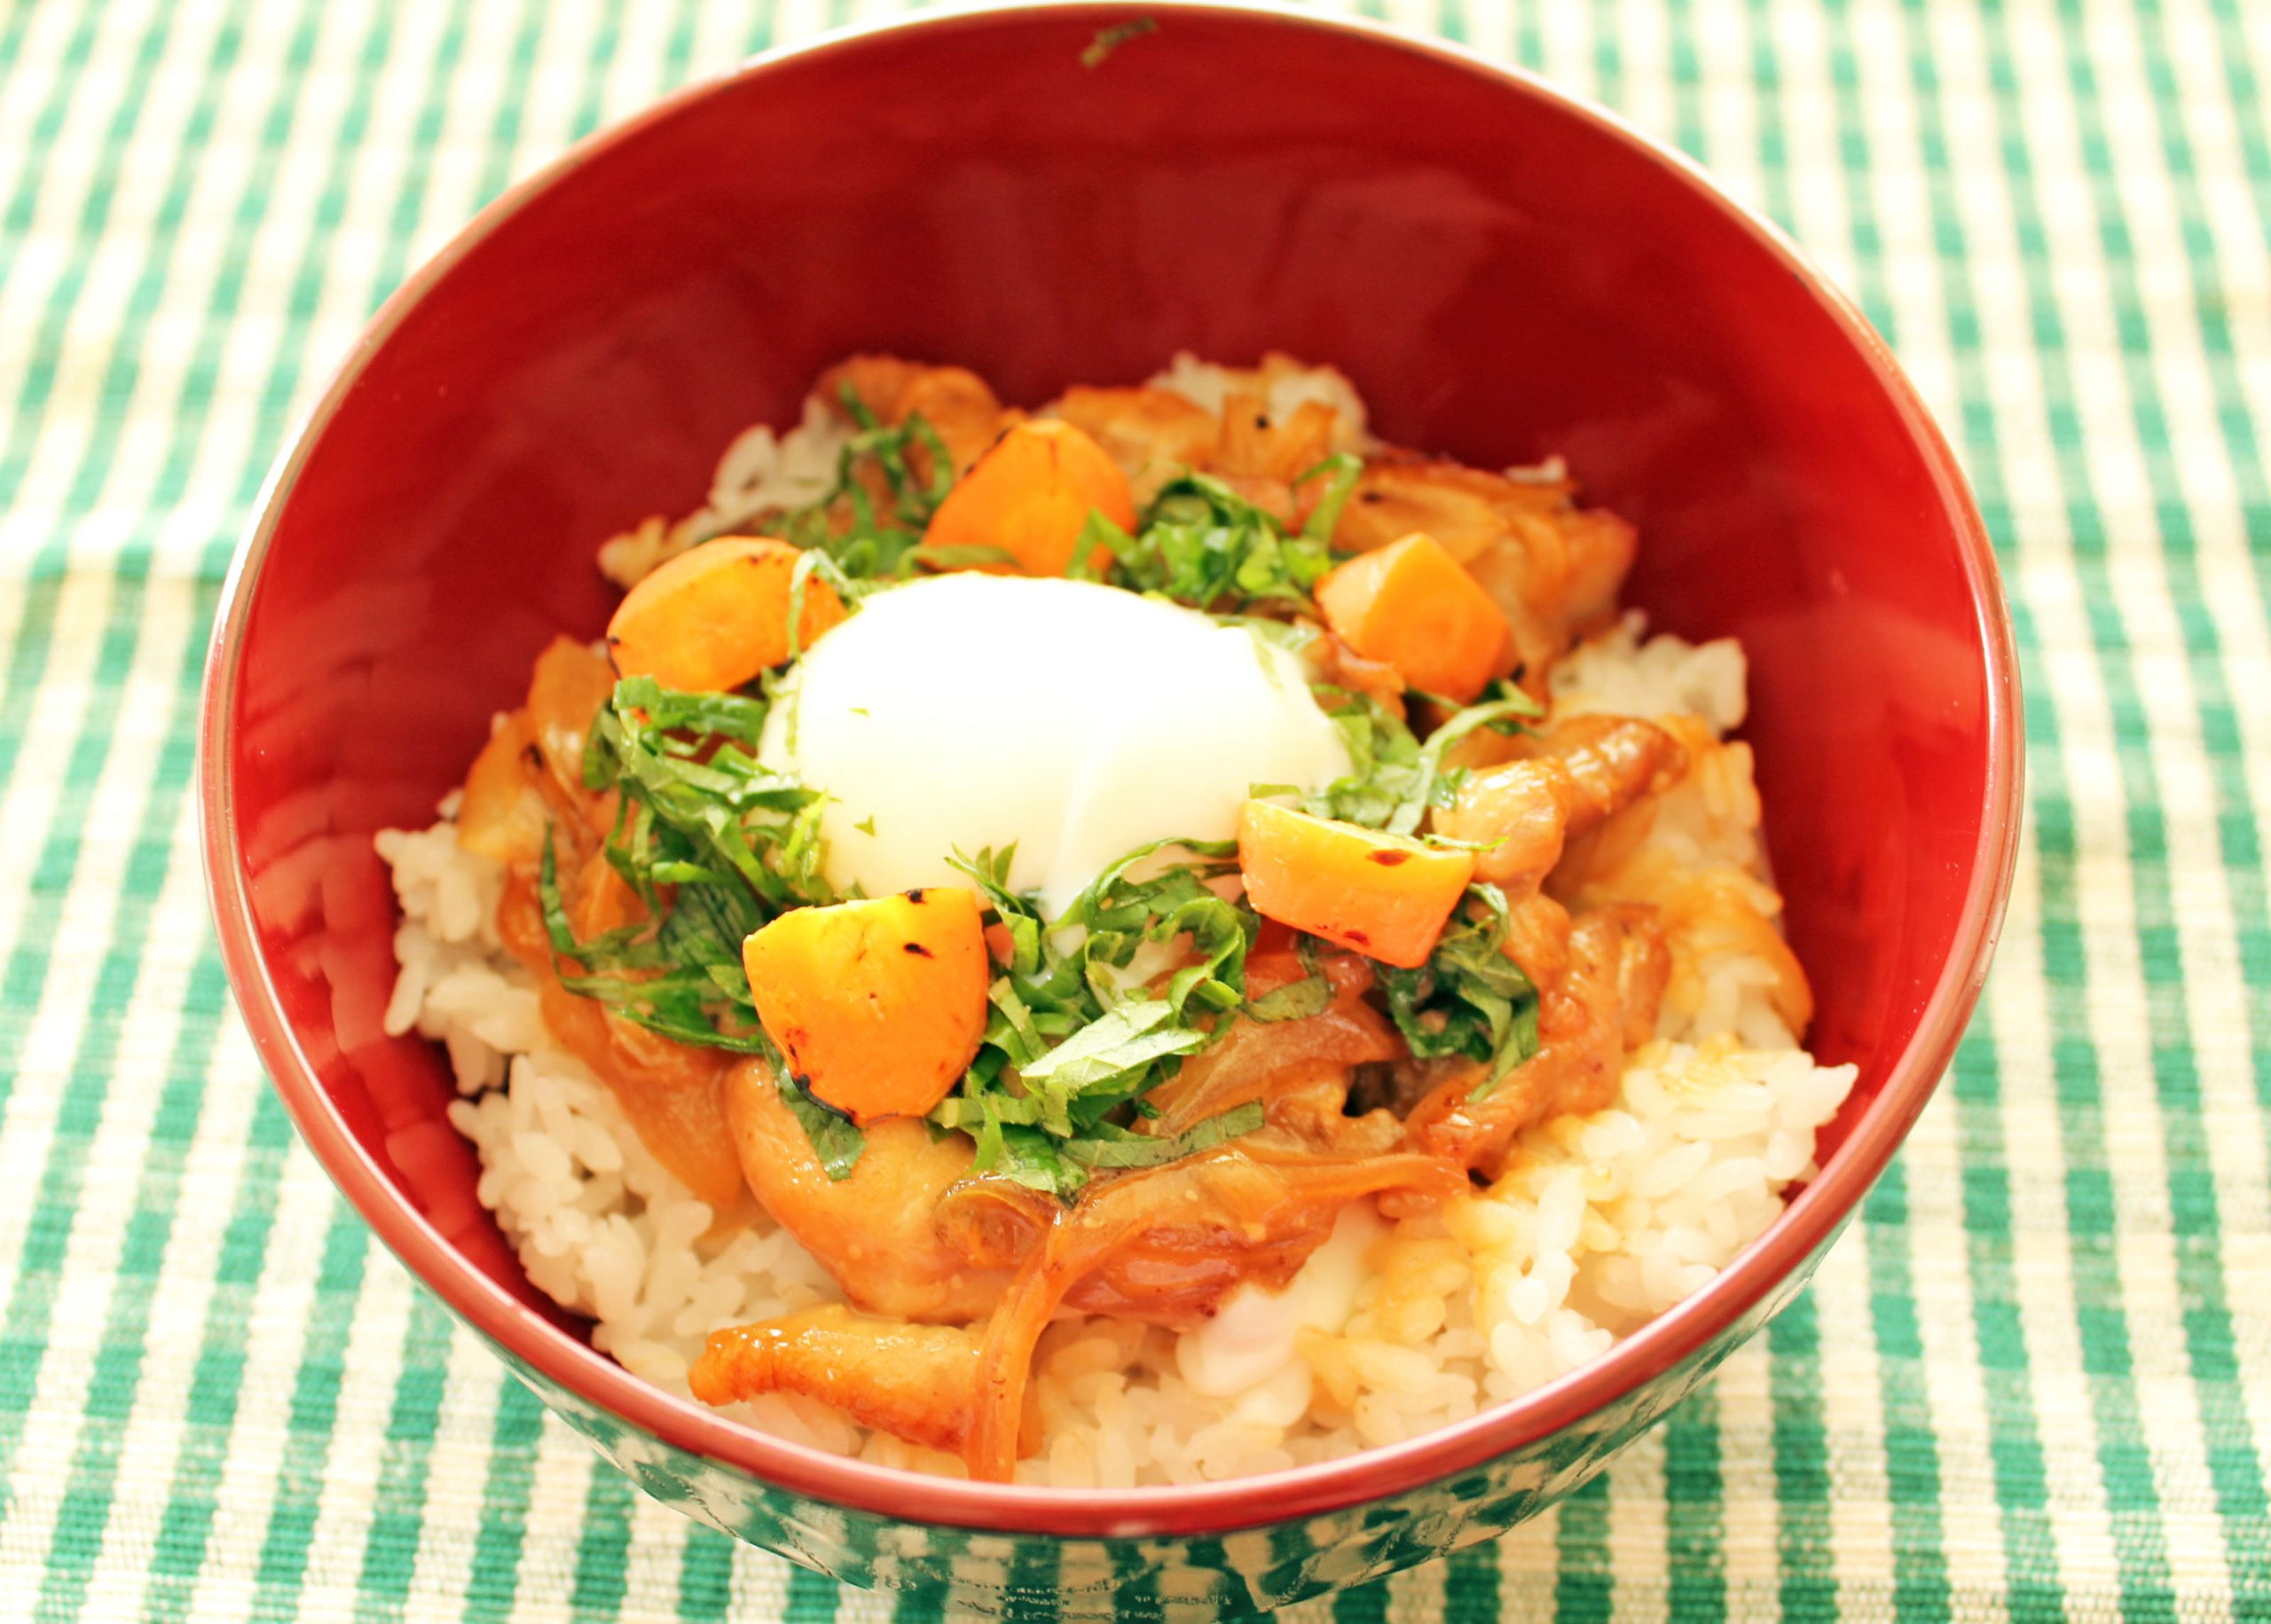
<point x="1030" y="495"/>
<point x="1411" y="605"/>
<point x="878" y="1005"/>
<point x="1384" y="895"/>
<point x="713" y="617"/>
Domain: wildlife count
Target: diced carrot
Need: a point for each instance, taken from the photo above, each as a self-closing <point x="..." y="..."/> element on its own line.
<point x="878" y="1005"/>
<point x="1031" y="496"/>
<point x="1412" y="605"/>
<point x="713" y="617"/>
<point x="1385" y="896"/>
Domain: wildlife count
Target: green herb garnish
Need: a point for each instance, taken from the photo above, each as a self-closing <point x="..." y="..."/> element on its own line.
<point x="1469" y="998"/>
<point x="835" y="1139"/>
<point x="874" y="541"/>
<point x="698" y="816"/>
<point x="1110" y="39"/>
<point x="1394" y="781"/>
<point x="1201" y="543"/>
<point x="1066" y="1043"/>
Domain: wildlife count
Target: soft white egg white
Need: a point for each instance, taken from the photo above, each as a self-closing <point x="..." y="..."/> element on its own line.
<point x="1078" y="721"/>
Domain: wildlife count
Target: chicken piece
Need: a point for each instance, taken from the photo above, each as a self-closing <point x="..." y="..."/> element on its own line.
<point x="1465" y="509"/>
<point x="916" y="1382"/>
<point x="962" y="408"/>
<point x="874" y="1229"/>
<point x="1555" y="578"/>
<point x="1537" y="938"/>
<point x="875" y="381"/>
<point x="571" y="682"/>
<point x="1643" y="972"/>
<point x="1154" y="435"/>
<point x="1257" y="445"/>
<point x="1333" y="661"/>
<point x="1311" y="1110"/>
<point x="1167" y="1246"/>
<point x="1713" y="789"/>
<point x="1262" y="459"/>
<point x="1712" y="901"/>
<point x="1611" y="761"/>
<point x="1710" y="914"/>
<point x="1583" y="771"/>
<point x="531" y="771"/>
<point x="908" y="1234"/>
<point x="956" y="402"/>
<point x="1608" y="1000"/>
<point x="502" y="815"/>
<point x="1552" y="567"/>
<point x="1282" y="383"/>
<point x="1163" y="1245"/>
<point x="911" y="1234"/>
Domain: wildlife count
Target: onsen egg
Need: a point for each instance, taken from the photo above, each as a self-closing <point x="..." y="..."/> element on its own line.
<point x="1074" y="721"/>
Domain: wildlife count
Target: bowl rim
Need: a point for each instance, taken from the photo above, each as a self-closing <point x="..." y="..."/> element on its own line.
<point x="1806" y="1227"/>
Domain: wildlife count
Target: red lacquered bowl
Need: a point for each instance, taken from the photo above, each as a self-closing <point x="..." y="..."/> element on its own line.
<point x="1506" y="273"/>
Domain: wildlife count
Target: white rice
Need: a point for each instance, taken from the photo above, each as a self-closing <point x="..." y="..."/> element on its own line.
<point x="1602" y="1222"/>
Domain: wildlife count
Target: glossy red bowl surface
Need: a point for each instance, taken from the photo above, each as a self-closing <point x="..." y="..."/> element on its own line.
<point x="1505" y="273"/>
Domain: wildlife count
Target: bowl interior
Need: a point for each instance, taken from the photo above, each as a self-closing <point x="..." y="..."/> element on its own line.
<point x="1503" y="277"/>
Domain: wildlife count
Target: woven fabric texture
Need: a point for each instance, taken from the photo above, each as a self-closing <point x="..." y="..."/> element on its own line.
<point x="2034" y="1379"/>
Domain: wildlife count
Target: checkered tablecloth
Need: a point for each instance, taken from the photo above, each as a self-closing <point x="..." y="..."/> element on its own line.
<point x="2035" y="1378"/>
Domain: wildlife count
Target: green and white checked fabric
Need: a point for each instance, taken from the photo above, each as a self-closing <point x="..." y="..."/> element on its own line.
<point x="2035" y="1379"/>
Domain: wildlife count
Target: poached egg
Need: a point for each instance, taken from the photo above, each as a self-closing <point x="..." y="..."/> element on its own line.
<point x="1078" y="721"/>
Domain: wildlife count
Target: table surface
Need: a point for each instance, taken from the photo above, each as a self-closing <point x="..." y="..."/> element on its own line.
<point x="2035" y="1378"/>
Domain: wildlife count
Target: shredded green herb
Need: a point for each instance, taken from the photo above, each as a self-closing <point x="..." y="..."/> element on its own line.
<point x="1469" y="998"/>
<point x="835" y="1139"/>
<point x="1394" y="779"/>
<point x="1201" y="543"/>
<point x="698" y="817"/>
<point x="1296" y="1000"/>
<point x="869" y="541"/>
<point x="1068" y="1041"/>
<point x="1111" y="39"/>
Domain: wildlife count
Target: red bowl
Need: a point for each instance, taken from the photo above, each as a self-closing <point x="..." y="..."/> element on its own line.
<point x="1505" y="272"/>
